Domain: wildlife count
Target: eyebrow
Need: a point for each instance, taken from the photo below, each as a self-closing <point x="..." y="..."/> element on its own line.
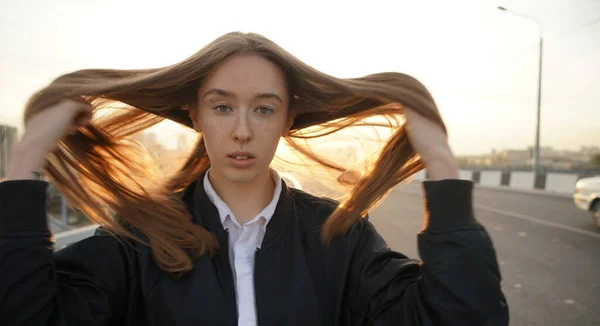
<point x="222" y="92"/>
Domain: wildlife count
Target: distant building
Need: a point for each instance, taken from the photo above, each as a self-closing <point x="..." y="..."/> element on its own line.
<point x="474" y="161"/>
<point x="8" y="137"/>
<point x="167" y="160"/>
<point x="182" y="141"/>
<point x="518" y="158"/>
<point x="150" y="142"/>
<point x="590" y="150"/>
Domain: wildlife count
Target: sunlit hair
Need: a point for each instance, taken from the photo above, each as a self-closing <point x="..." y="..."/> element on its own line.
<point x="105" y="174"/>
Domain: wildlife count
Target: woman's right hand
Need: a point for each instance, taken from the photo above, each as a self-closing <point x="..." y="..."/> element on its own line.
<point x="43" y="131"/>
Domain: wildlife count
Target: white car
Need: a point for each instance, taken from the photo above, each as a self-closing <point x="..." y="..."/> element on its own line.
<point x="587" y="196"/>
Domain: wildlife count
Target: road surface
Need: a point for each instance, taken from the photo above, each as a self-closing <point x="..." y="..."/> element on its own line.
<point x="549" y="251"/>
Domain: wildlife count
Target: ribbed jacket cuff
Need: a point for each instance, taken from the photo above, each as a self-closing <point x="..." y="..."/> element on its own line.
<point x="448" y="204"/>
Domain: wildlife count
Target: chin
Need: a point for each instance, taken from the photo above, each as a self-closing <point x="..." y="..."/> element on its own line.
<point x="236" y="175"/>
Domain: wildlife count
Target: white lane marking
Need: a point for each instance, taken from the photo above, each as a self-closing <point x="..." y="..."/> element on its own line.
<point x="539" y="221"/>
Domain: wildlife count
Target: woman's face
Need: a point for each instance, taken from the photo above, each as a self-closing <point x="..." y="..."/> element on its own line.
<point x="242" y="112"/>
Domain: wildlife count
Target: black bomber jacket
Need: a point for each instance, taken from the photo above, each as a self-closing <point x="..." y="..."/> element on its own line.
<point x="355" y="280"/>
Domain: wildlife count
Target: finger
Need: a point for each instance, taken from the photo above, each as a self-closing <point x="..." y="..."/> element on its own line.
<point x="410" y="113"/>
<point x="82" y="121"/>
<point x="71" y="131"/>
<point x="78" y="99"/>
<point x="82" y="117"/>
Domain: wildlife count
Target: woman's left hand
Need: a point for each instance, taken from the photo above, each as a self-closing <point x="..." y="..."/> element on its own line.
<point x="431" y="142"/>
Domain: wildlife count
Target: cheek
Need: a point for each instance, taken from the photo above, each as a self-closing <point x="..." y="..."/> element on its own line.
<point x="269" y="136"/>
<point x="215" y="135"/>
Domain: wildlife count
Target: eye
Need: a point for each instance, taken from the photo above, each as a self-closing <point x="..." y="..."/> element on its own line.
<point x="222" y="108"/>
<point x="264" y="110"/>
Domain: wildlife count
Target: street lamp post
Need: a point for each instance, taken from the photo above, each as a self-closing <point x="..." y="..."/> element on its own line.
<point x="537" y="167"/>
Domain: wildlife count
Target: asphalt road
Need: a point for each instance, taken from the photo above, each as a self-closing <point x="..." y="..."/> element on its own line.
<point x="548" y="250"/>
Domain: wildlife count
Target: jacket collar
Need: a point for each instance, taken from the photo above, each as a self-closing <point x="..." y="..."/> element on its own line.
<point x="206" y="214"/>
<point x="223" y="208"/>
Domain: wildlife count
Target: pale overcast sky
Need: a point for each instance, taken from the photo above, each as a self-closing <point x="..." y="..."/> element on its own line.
<point x="480" y="63"/>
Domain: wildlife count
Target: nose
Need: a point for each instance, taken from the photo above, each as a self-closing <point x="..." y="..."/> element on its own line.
<point x="241" y="129"/>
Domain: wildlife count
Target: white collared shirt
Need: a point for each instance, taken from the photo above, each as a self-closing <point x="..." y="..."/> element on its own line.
<point x="243" y="242"/>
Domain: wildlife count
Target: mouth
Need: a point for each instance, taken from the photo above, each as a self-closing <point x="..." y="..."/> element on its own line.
<point x="241" y="156"/>
<point x="241" y="160"/>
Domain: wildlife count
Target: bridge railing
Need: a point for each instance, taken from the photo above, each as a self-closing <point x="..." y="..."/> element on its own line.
<point x="66" y="238"/>
<point x="558" y="183"/>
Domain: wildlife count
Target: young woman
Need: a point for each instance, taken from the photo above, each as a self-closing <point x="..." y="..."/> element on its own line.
<point x="225" y="241"/>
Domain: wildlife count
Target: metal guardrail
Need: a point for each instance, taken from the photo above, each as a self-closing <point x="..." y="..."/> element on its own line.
<point x="66" y="238"/>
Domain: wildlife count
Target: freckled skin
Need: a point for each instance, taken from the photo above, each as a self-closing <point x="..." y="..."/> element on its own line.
<point x="242" y="120"/>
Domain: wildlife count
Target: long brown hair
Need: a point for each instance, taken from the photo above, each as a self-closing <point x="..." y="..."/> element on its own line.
<point x="101" y="171"/>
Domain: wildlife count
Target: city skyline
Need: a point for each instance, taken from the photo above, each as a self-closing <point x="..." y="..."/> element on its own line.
<point x="480" y="64"/>
<point x="188" y="136"/>
<point x="170" y="133"/>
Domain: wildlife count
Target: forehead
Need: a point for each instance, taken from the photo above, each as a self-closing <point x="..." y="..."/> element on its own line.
<point x="243" y="74"/>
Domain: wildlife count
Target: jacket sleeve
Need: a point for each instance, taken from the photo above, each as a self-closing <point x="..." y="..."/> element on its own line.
<point x="83" y="284"/>
<point x="457" y="282"/>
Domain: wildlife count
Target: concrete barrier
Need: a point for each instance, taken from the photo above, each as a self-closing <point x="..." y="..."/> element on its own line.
<point x="466" y="175"/>
<point x="522" y="180"/>
<point x="420" y="176"/>
<point x="66" y="238"/>
<point x="560" y="182"/>
<point x="490" y="178"/>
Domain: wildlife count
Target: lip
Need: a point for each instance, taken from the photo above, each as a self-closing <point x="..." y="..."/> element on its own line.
<point x="241" y="154"/>
<point x="241" y="164"/>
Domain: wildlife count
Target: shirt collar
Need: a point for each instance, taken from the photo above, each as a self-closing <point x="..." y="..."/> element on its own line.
<point x="225" y="211"/>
